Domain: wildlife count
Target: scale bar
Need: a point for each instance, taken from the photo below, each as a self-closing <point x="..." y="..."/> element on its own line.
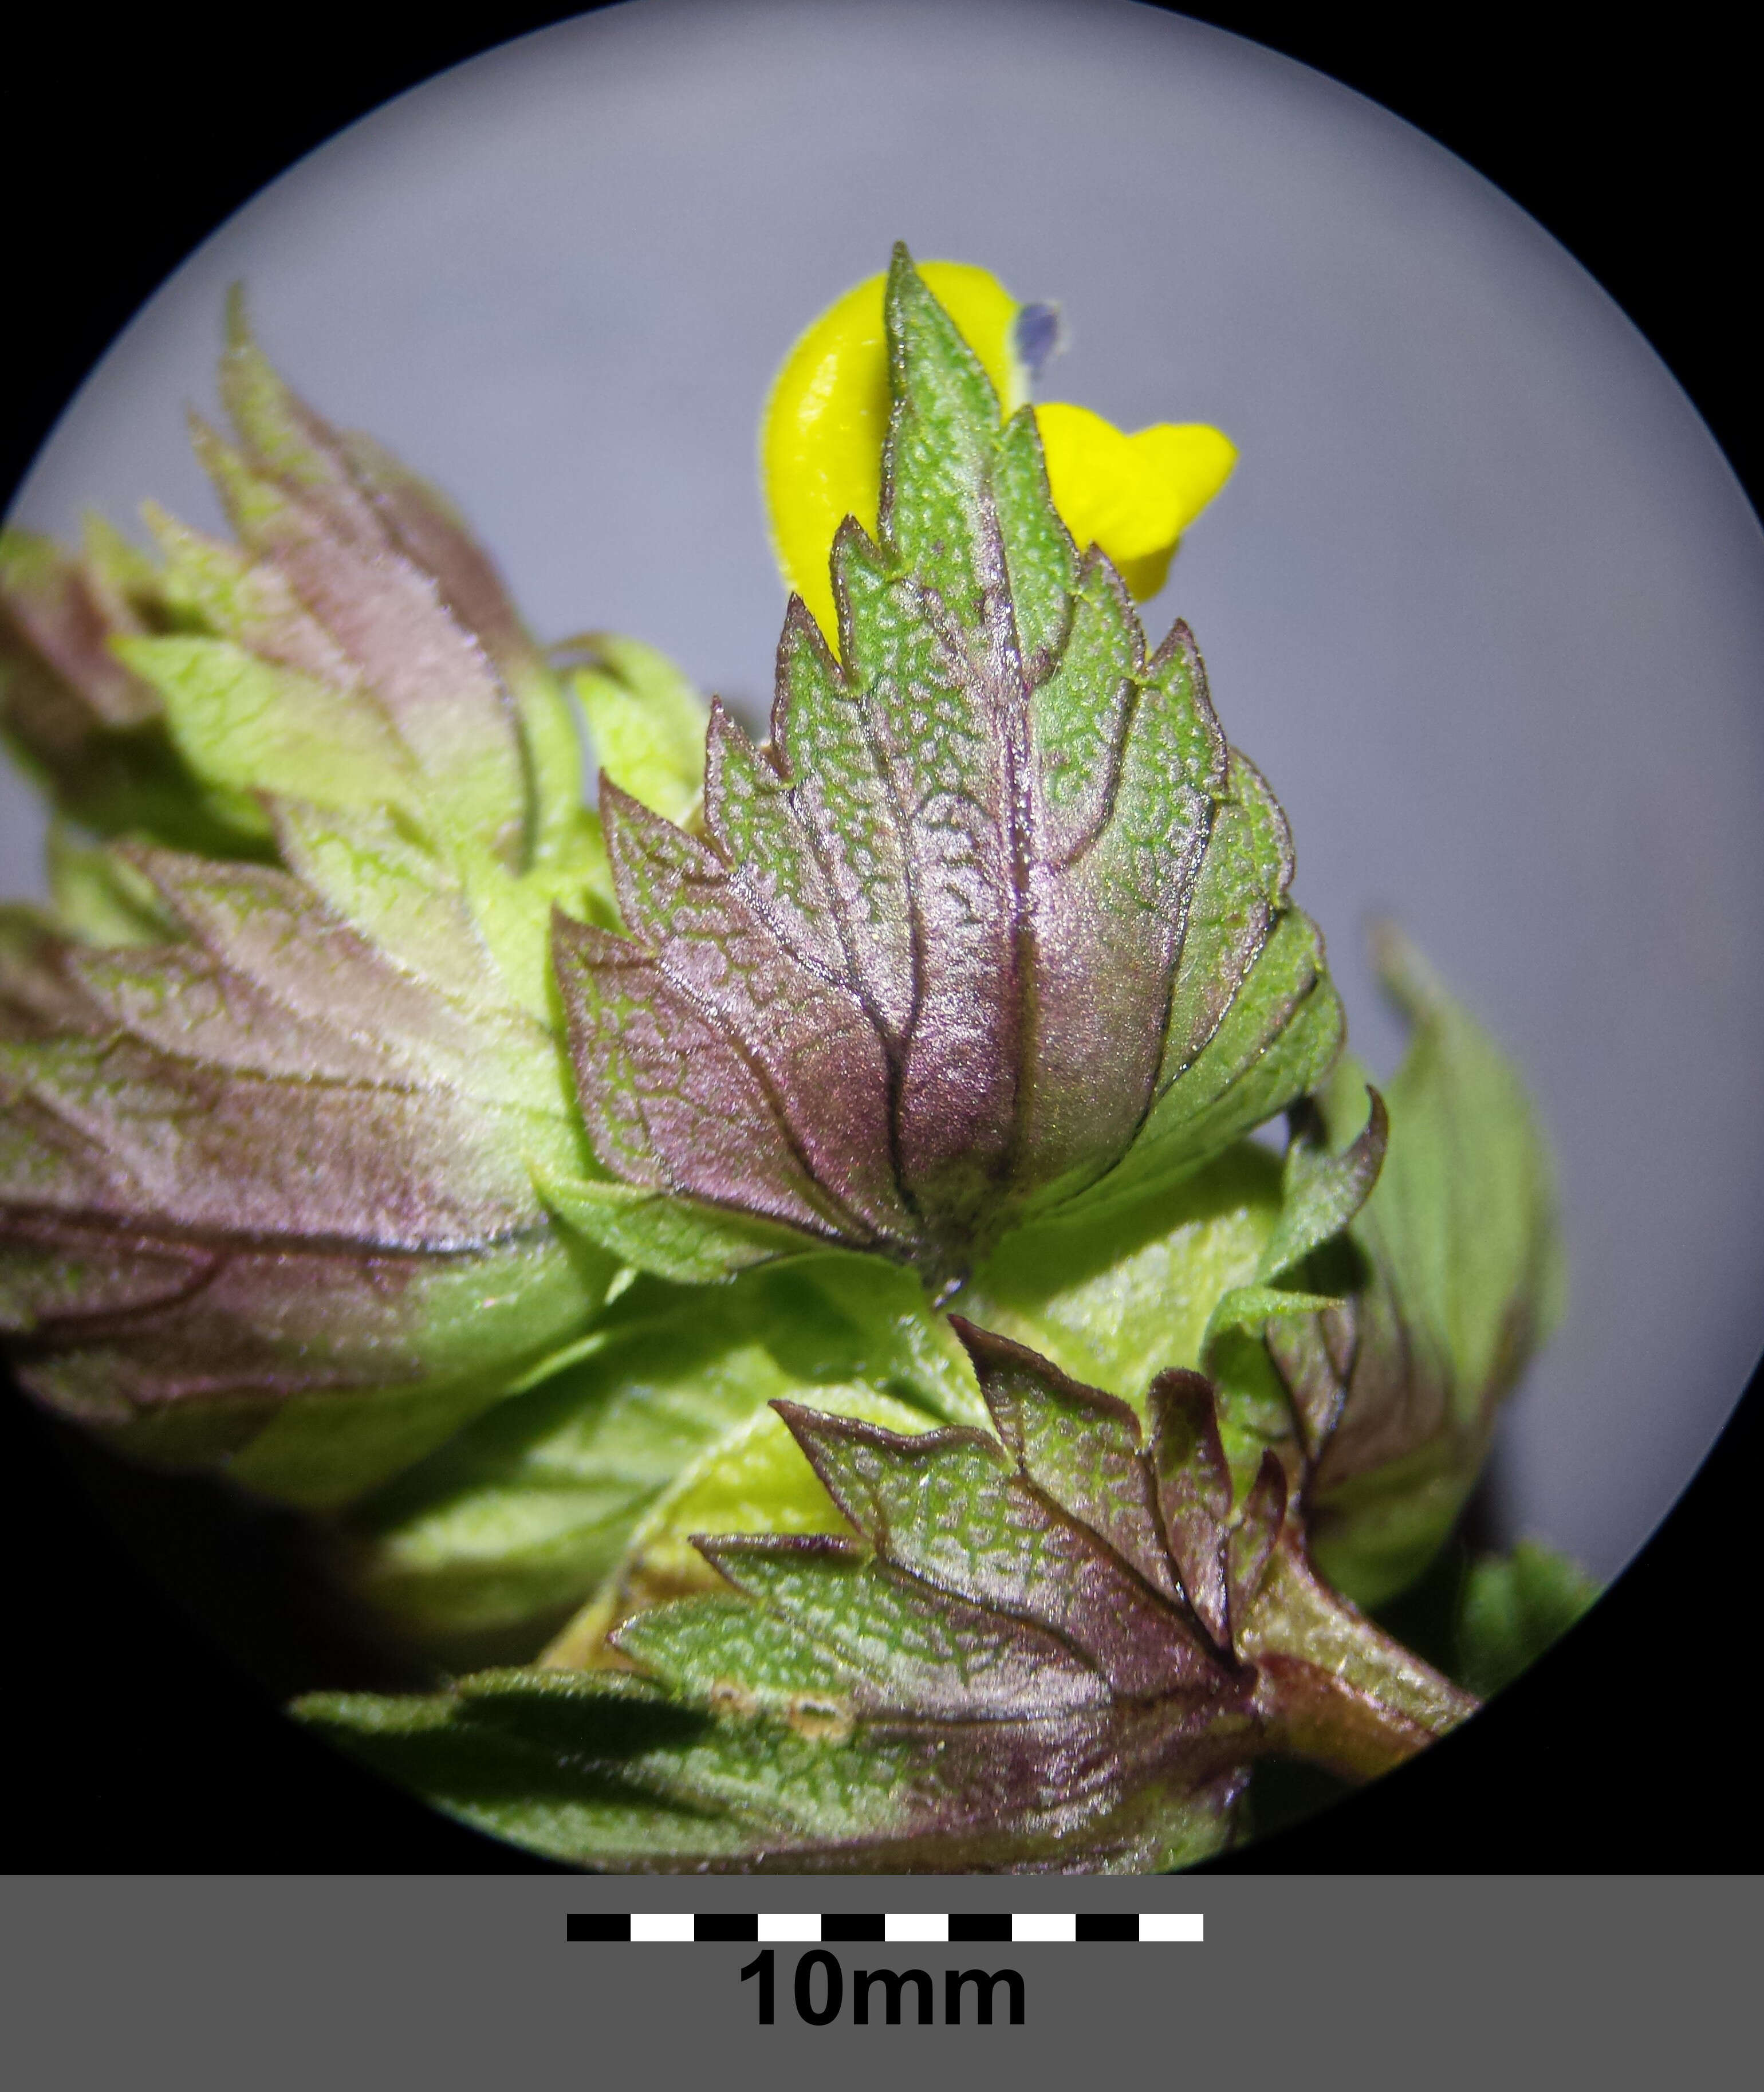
<point x="904" y="1927"/>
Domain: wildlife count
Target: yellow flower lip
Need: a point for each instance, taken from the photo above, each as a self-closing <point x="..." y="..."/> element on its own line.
<point x="822" y="437"/>
<point x="1133" y="495"/>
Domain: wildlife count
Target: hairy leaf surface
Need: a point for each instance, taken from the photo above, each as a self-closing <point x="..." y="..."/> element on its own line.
<point x="991" y="1665"/>
<point x="995" y="921"/>
<point x="1054" y="1645"/>
<point x="584" y="1488"/>
<point x="252" y="1177"/>
<point x="91" y="733"/>
<point x="355" y="649"/>
<point x="278" y="1100"/>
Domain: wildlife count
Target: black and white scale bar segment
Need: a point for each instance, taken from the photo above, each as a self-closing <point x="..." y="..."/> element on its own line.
<point x="782" y="1926"/>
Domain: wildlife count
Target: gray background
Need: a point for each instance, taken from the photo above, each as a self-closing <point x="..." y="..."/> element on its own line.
<point x="1483" y="599"/>
<point x="365" y="1983"/>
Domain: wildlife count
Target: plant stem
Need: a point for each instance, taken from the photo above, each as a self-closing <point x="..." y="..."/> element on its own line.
<point x="1334" y="1688"/>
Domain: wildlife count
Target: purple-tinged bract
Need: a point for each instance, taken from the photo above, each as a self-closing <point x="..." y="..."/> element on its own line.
<point x="996" y="907"/>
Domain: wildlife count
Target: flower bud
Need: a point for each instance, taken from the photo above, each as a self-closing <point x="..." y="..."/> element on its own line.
<point x="273" y="1085"/>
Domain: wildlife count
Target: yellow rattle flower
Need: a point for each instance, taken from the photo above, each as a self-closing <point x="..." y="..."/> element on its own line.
<point x="821" y="442"/>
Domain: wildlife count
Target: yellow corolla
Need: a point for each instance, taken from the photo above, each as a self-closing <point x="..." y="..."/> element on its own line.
<point x="821" y="443"/>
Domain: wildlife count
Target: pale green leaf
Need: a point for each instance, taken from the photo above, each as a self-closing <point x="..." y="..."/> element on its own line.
<point x="521" y="1519"/>
<point x="1513" y="1606"/>
<point x="680" y="1239"/>
<point x="753" y="1479"/>
<point x="1320" y="1192"/>
<point x="1250" y="1308"/>
<point x="1459" y="1280"/>
<point x="247" y="723"/>
<point x="102" y="898"/>
<point x="1464" y="1216"/>
<point x="516" y="1523"/>
<point x="1116" y="1294"/>
<point x="647" y="723"/>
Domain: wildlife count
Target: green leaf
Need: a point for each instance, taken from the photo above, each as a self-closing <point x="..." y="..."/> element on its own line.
<point x="972" y="1652"/>
<point x="1513" y="1606"/>
<point x="1250" y="1308"/>
<point x="1464" y="1217"/>
<point x="565" y="1492"/>
<point x="994" y="924"/>
<point x="1114" y="1295"/>
<point x="875" y="1321"/>
<point x="946" y="1692"/>
<point x="510" y="1526"/>
<point x="240" y="721"/>
<point x="1459" y="1280"/>
<point x="356" y="650"/>
<point x="101" y="897"/>
<point x="488" y="1754"/>
<point x="1256" y="1413"/>
<point x="754" y="1479"/>
<point x="1320" y="1192"/>
<point x="647" y="722"/>
<point x="674" y="1239"/>
<point x="1273" y="1044"/>
<point x="90" y="732"/>
<point x="266" y="1175"/>
<point x="298" y="1159"/>
<point x="364" y="578"/>
<point x="427" y="528"/>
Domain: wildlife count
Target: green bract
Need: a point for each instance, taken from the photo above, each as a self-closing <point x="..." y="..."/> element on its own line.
<point x="573" y="1204"/>
<point x="995" y="927"/>
<point x="273" y="1112"/>
<point x="1458" y="1279"/>
<point x="489" y="1544"/>
<point x="1056" y="1644"/>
